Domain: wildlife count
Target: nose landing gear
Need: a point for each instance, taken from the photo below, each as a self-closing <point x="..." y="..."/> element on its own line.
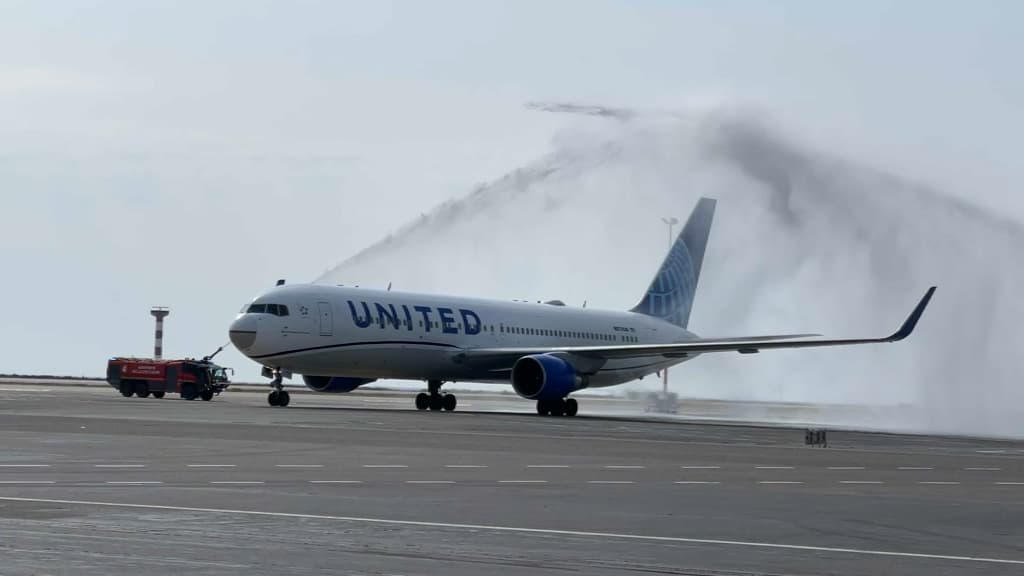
<point x="278" y="395"/>
<point x="434" y="400"/>
<point x="558" y="407"/>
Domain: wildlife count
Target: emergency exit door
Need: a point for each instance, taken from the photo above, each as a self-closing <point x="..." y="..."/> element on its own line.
<point x="326" y="319"/>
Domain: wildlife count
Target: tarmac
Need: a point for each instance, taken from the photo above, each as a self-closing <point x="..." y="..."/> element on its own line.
<point x="361" y="483"/>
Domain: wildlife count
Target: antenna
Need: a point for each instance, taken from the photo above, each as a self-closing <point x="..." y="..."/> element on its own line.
<point x="389" y="286"/>
<point x="584" y="303"/>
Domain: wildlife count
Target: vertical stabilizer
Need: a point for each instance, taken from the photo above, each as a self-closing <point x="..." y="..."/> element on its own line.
<point x="671" y="294"/>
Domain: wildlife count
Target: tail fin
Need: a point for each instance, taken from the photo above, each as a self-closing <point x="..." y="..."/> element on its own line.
<point x="670" y="295"/>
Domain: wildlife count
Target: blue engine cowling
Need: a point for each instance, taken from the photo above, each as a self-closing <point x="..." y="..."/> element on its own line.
<point x="334" y="383"/>
<point x="544" y="377"/>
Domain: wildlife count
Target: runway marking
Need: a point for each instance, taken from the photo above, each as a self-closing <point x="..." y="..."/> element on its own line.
<point x="24" y="465"/>
<point x="27" y="482"/>
<point x="861" y="482"/>
<point x="1009" y="483"/>
<point x="845" y="467"/>
<point x="938" y="482"/>
<point x="983" y="468"/>
<point x="547" y="465"/>
<point x="522" y="481"/>
<point x="119" y="465"/>
<point x="335" y="481"/>
<point x="299" y="465"/>
<point x="915" y="468"/>
<point x="779" y="482"/>
<point x="134" y="482"/>
<point x="991" y="451"/>
<point x="522" y="530"/>
<point x="384" y="466"/>
<point x="430" y="481"/>
<point x="700" y="467"/>
<point x="624" y="467"/>
<point x="465" y="466"/>
<point x="237" y="482"/>
<point x="773" y="467"/>
<point x="610" y="482"/>
<point x="212" y="465"/>
<point x="695" y="482"/>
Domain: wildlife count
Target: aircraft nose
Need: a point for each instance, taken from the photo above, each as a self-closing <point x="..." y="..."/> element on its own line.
<point x="243" y="332"/>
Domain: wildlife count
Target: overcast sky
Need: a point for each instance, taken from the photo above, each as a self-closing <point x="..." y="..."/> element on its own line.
<point x="189" y="153"/>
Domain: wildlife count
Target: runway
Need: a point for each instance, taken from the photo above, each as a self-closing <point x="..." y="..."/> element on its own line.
<point x="92" y="483"/>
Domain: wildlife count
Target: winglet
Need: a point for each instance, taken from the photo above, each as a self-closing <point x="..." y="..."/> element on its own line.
<point x="911" y="322"/>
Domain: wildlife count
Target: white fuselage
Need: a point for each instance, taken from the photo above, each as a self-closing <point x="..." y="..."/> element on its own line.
<point x="326" y="330"/>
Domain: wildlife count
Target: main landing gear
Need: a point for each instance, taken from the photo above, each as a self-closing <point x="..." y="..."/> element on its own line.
<point x="433" y="399"/>
<point x="278" y="396"/>
<point x="558" y="407"/>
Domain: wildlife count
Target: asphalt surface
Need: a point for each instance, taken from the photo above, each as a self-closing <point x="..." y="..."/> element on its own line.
<point x="92" y="483"/>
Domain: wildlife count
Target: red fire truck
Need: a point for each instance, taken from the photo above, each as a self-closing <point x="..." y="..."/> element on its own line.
<point x="190" y="378"/>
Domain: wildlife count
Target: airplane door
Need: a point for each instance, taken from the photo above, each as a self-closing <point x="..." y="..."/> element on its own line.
<point x="326" y="319"/>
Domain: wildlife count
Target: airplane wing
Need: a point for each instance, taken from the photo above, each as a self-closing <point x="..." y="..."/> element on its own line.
<point x="743" y="345"/>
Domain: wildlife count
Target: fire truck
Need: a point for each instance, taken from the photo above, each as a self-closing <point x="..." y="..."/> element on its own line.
<point x="190" y="378"/>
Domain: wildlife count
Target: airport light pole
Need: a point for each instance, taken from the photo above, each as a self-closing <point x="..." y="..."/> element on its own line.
<point x="671" y="221"/>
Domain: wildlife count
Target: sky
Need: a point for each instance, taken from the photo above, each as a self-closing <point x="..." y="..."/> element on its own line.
<point x="188" y="154"/>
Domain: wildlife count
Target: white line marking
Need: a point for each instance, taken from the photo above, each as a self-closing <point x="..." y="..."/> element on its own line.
<point x="609" y="482"/>
<point x="212" y="465"/>
<point x="991" y="451"/>
<point x="983" y="468"/>
<point x="27" y="482"/>
<point x="237" y="482"/>
<point x="299" y="465"/>
<point x="119" y="465"/>
<point x="522" y="481"/>
<point x="430" y="482"/>
<point x="700" y="467"/>
<point x="135" y="482"/>
<point x="1009" y="483"/>
<point x="938" y="482"/>
<point x="773" y="467"/>
<point x="613" y="467"/>
<point x="24" y="465"/>
<point x="845" y="467"/>
<point x="547" y="465"/>
<point x="335" y="481"/>
<point x="861" y="482"/>
<point x="780" y="482"/>
<point x="465" y="466"/>
<point x="515" y="529"/>
<point x="695" y="482"/>
<point x="915" y="468"/>
<point x="384" y="466"/>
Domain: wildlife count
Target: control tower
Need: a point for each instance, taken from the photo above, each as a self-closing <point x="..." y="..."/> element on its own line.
<point x="159" y="312"/>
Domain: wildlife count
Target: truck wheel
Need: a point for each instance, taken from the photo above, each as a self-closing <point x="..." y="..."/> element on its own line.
<point x="142" y="393"/>
<point x="206" y="395"/>
<point x="127" y="389"/>
<point x="159" y="394"/>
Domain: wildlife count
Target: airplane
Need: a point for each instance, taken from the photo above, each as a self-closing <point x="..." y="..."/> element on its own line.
<point x="340" y="337"/>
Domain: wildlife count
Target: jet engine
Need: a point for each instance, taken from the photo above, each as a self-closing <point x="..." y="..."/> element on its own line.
<point x="544" y="377"/>
<point x="334" y="383"/>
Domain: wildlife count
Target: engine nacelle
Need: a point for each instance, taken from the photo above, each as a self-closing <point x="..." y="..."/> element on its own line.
<point x="544" y="377"/>
<point x="334" y="383"/>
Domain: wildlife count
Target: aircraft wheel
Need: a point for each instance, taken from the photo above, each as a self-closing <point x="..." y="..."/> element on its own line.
<point x="159" y="394"/>
<point x="206" y="395"/>
<point x="571" y="406"/>
<point x="448" y="402"/>
<point x="436" y="402"/>
<point x="422" y="401"/>
<point x="542" y="408"/>
<point x="274" y="398"/>
<point x="557" y="407"/>
<point x="284" y="398"/>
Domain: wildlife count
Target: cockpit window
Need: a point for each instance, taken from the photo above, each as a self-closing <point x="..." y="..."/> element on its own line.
<point x="275" y="309"/>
